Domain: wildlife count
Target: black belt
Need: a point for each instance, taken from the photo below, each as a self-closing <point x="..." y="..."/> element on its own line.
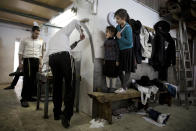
<point x="59" y="53"/>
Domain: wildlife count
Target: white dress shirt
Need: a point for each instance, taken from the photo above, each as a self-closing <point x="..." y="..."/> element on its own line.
<point x="60" y="41"/>
<point x="31" y="48"/>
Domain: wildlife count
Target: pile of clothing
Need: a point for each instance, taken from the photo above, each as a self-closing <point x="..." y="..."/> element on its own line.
<point x="149" y="88"/>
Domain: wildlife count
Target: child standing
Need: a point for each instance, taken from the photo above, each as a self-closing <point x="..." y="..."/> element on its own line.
<point x="110" y="68"/>
<point x="125" y="42"/>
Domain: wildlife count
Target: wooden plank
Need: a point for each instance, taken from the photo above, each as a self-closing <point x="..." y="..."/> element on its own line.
<point x="18" y="19"/>
<point x="27" y="8"/>
<point x="110" y="97"/>
<point x="56" y="3"/>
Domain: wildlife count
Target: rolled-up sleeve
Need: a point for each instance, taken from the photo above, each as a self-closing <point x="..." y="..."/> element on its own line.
<point x="21" y="47"/>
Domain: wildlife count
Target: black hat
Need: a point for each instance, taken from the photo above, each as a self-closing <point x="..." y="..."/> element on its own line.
<point x="162" y="26"/>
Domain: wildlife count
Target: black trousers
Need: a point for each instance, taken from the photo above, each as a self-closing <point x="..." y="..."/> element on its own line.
<point x="60" y="64"/>
<point x="30" y="69"/>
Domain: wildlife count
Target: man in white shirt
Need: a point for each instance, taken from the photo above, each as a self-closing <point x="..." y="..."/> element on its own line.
<point x="58" y="54"/>
<point x="30" y="56"/>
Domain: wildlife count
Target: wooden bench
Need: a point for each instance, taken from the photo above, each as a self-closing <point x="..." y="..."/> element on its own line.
<point x="102" y="102"/>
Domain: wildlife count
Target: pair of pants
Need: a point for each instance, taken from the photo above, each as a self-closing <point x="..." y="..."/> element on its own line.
<point x="61" y="67"/>
<point x="30" y="69"/>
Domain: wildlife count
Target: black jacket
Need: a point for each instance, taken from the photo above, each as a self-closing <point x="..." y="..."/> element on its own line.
<point x="136" y="27"/>
<point x="162" y="56"/>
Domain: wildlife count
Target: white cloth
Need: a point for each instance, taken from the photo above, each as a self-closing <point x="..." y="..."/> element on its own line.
<point x="97" y="124"/>
<point x="147" y="92"/>
<point x="146" y="47"/>
<point x="153" y="122"/>
<point x="60" y="41"/>
<point x="31" y="48"/>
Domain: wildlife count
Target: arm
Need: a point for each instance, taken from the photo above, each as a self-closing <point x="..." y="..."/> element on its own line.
<point x="71" y="26"/>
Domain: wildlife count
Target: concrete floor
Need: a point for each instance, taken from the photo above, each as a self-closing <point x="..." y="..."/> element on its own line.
<point x="15" y="118"/>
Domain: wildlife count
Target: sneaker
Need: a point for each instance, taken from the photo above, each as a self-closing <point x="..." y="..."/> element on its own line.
<point x="120" y="90"/>
<point x="65" y="122"/>
<point x="9" y="87"/>
<point x="24" y="103"/>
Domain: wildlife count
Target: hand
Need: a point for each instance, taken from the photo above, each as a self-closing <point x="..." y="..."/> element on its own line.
<point x="118" y="35"/>
<point x="117" y="63"/>
<point x="82" y="36"/>
<point x="20" y="67"/>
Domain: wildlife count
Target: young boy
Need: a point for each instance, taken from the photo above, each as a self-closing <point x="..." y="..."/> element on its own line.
<point x="111" y="57"/>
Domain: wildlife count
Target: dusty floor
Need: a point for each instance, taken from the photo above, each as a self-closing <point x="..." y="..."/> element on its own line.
<point x="15" y="118"/>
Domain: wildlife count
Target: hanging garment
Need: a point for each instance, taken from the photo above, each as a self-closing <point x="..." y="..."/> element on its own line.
<point x="146" y="44"/>
<point x="163" y="47"/>
<point x="136" y="27"/>
<point x="147" y="91"/>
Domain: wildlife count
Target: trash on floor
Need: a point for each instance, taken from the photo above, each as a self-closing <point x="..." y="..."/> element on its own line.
<point x="155" y="117"/>
<point x="153" y="122"/>
<point x="97" y="123"/>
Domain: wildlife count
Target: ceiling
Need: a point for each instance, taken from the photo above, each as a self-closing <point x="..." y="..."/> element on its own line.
<point x="25" y="12"/>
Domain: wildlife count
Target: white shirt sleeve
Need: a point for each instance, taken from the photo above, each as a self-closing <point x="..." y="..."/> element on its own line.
<point x="21" y="47"/>
<point x="71" y="26"/>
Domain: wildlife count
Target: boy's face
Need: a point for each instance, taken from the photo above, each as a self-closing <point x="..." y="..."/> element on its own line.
<point x="119" y="20"/>
<point x="108" y="34"/>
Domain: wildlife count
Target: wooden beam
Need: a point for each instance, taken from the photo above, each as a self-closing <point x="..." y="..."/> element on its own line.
<point x="24" y="15"/>
<point x="15" y="23"/>
<point x="44" y="5"/>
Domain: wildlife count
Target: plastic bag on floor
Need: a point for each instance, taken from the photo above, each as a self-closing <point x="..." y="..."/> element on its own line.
<point x="97" y="123"/>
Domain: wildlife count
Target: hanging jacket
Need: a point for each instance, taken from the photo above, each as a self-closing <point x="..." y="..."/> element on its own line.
<point x="136" y="26"/>
<point x="163" y="47"/>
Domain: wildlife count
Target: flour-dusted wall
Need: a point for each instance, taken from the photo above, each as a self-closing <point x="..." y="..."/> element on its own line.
<point x="90" y="72"/>
<point x="8" y="36"/>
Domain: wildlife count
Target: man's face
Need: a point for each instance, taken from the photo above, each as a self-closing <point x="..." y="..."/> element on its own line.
<point x="35" y="34"/>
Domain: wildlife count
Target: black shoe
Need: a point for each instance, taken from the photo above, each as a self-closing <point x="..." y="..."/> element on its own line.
<point x="57" y="116"/>
<point x="111" y="90"/>
<point x="32" y="99"/>
<point x="65" y="122"/>
<point x="9" y="87"/>
<point x="24" y="103"/>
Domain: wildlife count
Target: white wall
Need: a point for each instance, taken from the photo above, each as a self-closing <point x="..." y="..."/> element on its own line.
<point x="97" y="25"/>
<point x="135" y="10"/>
<point x="8" y="35"/>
